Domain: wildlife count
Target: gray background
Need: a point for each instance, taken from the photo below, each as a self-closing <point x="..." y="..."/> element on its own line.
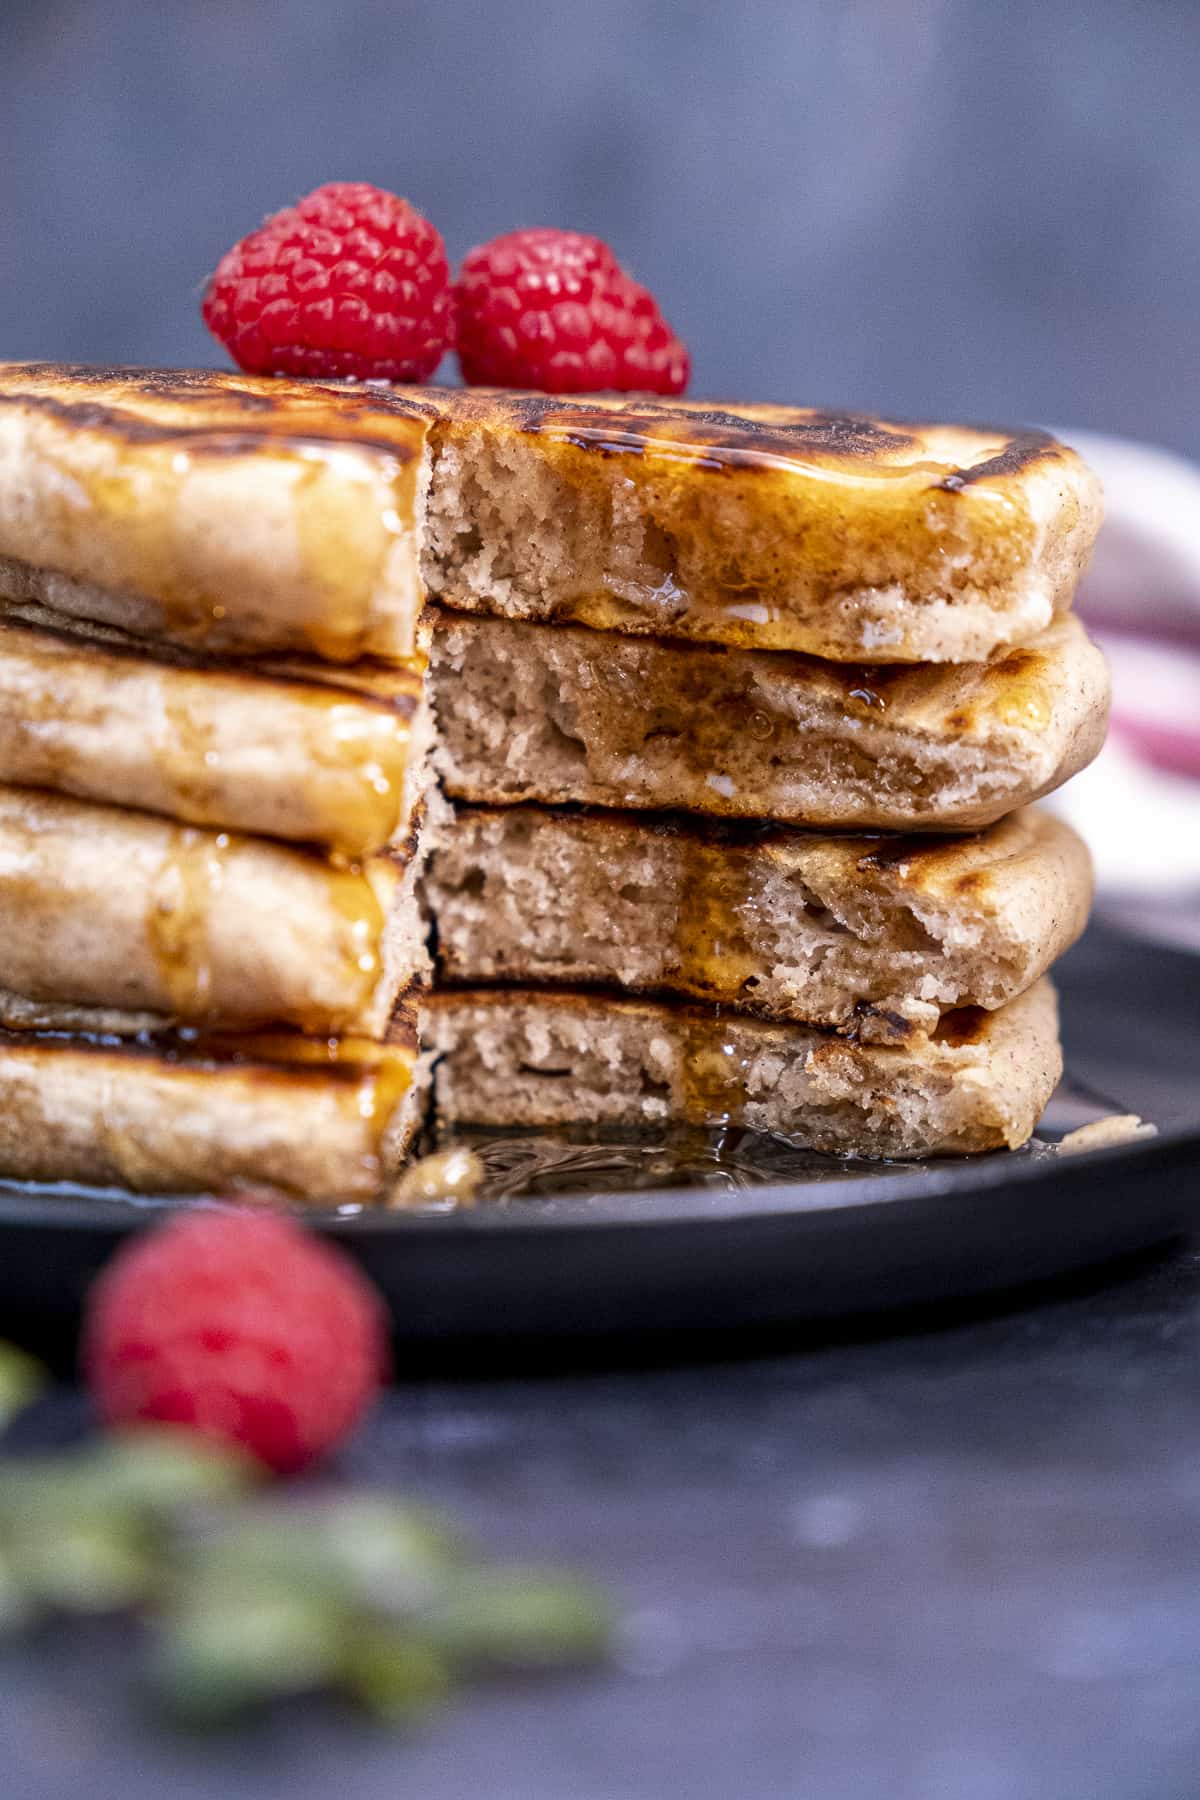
<point x="986" y="207"/>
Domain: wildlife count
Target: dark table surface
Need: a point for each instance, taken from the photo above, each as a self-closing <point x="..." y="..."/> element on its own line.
<point x="959" y="1563"/>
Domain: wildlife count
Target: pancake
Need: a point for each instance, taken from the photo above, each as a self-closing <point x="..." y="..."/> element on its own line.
<point x="537" y="1057"/>
<point x="286" y="751"/>
<point x="562" y="714"/>
<point x="773" y="527"/>
<point x="213" y="508"/>
<point x="242" y="513"/>
<point x="876" y="936"/>
<point x="213" y="769"/>
<point x="101" y="908"/>
<point x="324" y="1123"/>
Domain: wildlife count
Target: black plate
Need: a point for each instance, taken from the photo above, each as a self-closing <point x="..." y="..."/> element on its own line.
<point x="838" y="1242"/>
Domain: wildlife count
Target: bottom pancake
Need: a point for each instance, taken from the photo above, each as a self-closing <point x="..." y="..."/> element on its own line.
<point x="323" y="1120"/>
<point x="531" y="1057"/>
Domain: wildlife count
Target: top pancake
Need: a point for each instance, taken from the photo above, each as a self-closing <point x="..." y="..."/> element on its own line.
<point x="769" y="527"/>
<point x="215" y="510"/>
<point x="232" y="512"/>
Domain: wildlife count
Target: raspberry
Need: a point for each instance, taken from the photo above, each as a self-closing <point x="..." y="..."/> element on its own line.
<point x="239" y="1325"/>
<point x="349" y="282"/>
<point x="555" y="310"/>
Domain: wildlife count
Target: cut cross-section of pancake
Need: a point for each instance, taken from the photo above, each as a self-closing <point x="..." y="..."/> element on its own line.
<point x="325" y="1121"/>
<point x="102" y="908"/>
<point x="242" y="513"/>
<point x="545" y="1058"/>
<point x="303" y="752"/>
<point x="844" y="536"/>
<point x="213" y="509"/>
<point x="563" y="714"/>
<point x="875" y="935"/>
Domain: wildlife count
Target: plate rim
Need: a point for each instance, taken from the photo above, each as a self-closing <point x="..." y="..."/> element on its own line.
<point x="642" y="1210"/>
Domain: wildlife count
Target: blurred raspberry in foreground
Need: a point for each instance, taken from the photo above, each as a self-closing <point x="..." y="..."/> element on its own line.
<point x="239" y="1325"/>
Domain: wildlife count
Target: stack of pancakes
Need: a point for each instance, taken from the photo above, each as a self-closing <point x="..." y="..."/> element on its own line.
<point x="702" y="683"/>
<point x="213" y="775"/>
<point x="709" y="678"/>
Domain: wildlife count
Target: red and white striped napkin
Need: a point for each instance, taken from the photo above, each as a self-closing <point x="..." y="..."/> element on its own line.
<point x="1138" y="806"/>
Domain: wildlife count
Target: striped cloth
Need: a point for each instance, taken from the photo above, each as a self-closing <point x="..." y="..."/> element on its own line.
<point x="1139" y="804"/>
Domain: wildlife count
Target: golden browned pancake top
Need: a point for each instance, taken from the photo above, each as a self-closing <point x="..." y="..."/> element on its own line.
<point x="218" y="411"/>
<point x="715" y="435"/>
<point x="216" y="510"/>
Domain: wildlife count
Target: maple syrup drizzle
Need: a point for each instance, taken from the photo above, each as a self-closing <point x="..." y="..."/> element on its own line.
<point x="120" y="520"/>
<point x="186" y="754"/>
<point x="713" y="1068"/>
<point x="179" y="917"/>
<point x="710" y="954"/>
<point x="178" y="914"/>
